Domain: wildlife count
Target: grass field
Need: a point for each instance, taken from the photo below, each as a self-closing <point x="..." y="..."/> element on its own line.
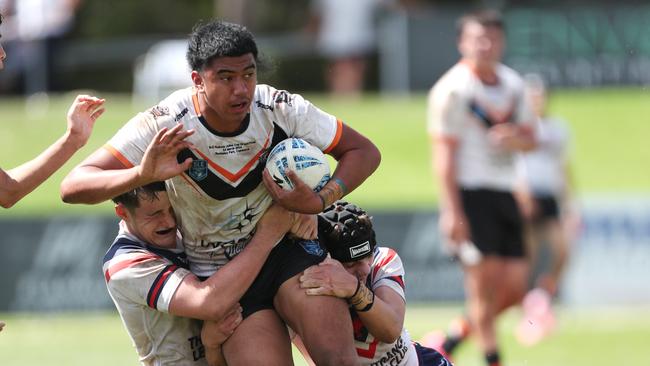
<point x="609" y="125"/>
<point x="596" y="337"/>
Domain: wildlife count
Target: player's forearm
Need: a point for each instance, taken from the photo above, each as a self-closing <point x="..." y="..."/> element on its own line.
<point x="90" y="185"/>
<point x="230" y="282"/>
<point x="23" y="179"/>
<point x="446" y="171"/>
<point x="383" y="320"/>
<point x="352" y="169"/>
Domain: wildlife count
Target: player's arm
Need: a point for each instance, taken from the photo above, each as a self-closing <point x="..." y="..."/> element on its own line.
<point x="453" y="222"/>
<point x="103" y="176"/>
<point x="211" y="299"/>
<point x="513" y="136"/>
<point x="215" y="333"/>
<point x="357" y="159"/>
<point x="81" y="117"/>
<point x="382" y="312"/>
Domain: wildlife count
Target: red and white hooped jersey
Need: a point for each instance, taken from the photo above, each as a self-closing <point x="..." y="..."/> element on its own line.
<point x="141" y="280"/>
<point x="219" y="200"/>
<point x="386" y="270"/>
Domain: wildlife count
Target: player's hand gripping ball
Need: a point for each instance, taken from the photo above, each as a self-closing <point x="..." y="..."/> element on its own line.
<point x="297" y="155"/>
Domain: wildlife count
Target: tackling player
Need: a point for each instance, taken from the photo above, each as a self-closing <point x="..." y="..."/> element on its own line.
<point x="478" y="122"/>
<point x="371" y="280"/>
<point x="217" y="187"/>
<point x="159" y="299"/>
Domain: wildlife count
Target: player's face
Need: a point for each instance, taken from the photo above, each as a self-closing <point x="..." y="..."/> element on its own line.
<point x="226" y="87"/>
<point x="154" y="221"/>
<point x="359" y="269"/>
<point x="481" y="44"/>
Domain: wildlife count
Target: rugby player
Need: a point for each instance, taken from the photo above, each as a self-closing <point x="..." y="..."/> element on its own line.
<point x="159" y="299"/>
<point x="371" y="279"/>
<point x="479" y="121"/>
<point x="218" y="190"/>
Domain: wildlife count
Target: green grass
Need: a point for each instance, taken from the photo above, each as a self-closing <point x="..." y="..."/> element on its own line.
<point x="609" y="128"/>
<point x="592" y="337"/>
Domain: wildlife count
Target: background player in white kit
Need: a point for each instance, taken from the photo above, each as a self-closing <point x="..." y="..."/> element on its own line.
<point x="547" y="202"/>
<point x="371" y="279"/>
<point x="478" y="120"/>
<point x="215" y="186"/>
<point x="159" y="299"/>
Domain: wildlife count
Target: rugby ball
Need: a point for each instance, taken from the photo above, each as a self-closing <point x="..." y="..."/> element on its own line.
<point x="297" y="155"/>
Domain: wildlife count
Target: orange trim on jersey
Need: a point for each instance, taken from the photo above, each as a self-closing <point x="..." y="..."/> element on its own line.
<point x="118" y="155"/>
<point x="114" y="268"/>
<point x="233" y="177"/>
<point x="337" y="136"/>
<point x="195" y="101"/>
<point x="191" y="183"/>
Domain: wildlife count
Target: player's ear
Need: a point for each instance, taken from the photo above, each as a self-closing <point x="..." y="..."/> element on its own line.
<point x="120" y="211"/>
<point x="197" y="80"/>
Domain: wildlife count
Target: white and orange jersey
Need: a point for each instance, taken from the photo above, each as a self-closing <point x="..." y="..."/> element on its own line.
<point x="386" y="270"/>
<point x="219" y="200"/>
<point x="141" y="280"/>
<point x="462" y="107"/>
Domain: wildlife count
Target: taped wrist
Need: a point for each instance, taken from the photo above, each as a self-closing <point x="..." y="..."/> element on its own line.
<point x="363" y="298"/>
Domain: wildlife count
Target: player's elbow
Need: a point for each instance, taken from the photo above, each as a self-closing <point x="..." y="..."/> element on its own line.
<point x="389" y="335"/>
<point x="7" y="202"/>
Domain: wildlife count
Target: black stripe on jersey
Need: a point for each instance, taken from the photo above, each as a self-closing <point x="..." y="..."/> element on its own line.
<point x="158" y="284"/>
<point x="220" y="190"/>
<point x="179" y="259"/>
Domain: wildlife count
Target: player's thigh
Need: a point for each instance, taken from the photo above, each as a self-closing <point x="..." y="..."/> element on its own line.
<point x="323" y="322"/>
<point x="261" y="339"/>
<point x="514" y="274"/>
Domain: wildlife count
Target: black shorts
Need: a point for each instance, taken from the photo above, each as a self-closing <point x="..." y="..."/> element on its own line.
<point x="286" y="260"/>
<point x="429" y="356"/>
<point x="495" y="222"/>
<point x="547" y="208"/>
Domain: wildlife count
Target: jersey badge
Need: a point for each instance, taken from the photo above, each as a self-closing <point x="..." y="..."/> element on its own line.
<point x="311" y="247"/>
<point x="198" y="170"/>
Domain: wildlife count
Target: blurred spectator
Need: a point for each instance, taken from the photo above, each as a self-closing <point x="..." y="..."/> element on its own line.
<point x="346" y="36"/>
<point x="32" y="31"/>
<point x="546" y="201"/>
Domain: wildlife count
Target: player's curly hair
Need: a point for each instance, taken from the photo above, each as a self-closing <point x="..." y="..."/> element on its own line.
<point x="346" y="231"/>
<point x="216" y="39"/>
<point x="131" y="199"/>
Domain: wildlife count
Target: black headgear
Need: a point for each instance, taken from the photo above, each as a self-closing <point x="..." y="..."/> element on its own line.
<point x="346" y="231"/>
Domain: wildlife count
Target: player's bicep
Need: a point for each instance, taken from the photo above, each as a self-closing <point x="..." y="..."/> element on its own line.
<point x="351" y="140"/>
<point x="393" y="300"/>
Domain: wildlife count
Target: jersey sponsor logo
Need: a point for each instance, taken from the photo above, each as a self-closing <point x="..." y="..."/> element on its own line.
<point x="198" y="350"/>
<point x="282" y="96"/>
<point x="159" y="111"/>
<point x="199" y="169"/>
<point x="394" y="356"/>
<point x="181" y="114"/>
<point x="312" y="247"/>
<point x="263" y="106"/>
<point x="360" y="250"/>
